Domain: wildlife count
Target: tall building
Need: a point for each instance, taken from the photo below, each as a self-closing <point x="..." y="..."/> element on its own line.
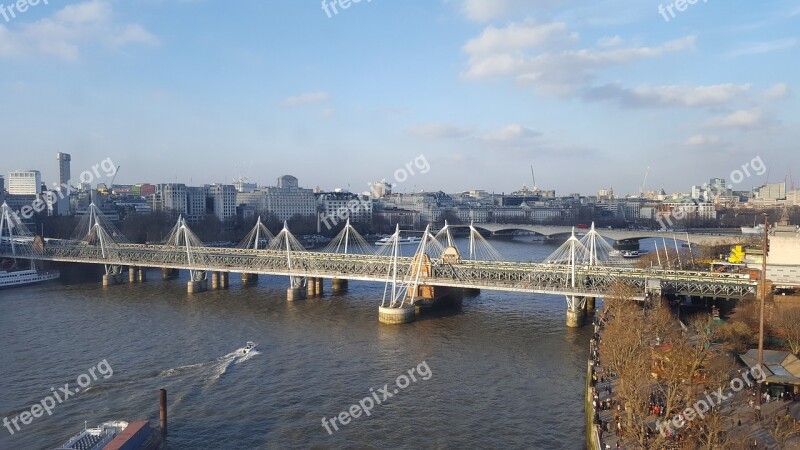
<point x="63" y="168"/>
<point x="223" y="198"/>
<point x="173" y="197"/>
<point x="2" y="184"/>
<point x="288" y="181"/>
<point x="285" y="202"/>
<point x="196" y="207"/>
<point x="24" y="182"/>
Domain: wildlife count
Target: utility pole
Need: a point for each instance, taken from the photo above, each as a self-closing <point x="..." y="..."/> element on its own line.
<point x="764" y="245"/>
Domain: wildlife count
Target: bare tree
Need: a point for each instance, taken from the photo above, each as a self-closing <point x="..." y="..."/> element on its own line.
<point x="787" y="320"/>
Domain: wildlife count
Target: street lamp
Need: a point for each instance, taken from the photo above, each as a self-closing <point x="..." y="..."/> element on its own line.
<point x="764" y="246"/>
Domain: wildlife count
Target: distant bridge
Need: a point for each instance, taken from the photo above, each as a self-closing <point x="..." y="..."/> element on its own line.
<point x="615" y="235"/>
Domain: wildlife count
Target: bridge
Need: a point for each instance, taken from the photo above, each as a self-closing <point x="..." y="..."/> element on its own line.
<point x="615" y="235"/>
<point x="581" y="269"/>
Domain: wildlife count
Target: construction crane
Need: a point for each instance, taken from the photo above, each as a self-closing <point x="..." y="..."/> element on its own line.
<point x="644" y="181"/>
<point x="533" y="175"/>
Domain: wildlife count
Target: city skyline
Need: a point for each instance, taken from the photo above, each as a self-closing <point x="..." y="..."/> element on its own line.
<point x="597" y="92"/>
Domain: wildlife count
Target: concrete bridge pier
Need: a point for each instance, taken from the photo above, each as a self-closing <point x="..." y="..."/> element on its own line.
<point x="142" y="275"/>
<point x="168" y="274"/>
<point x="576" y="312"/>
<point x="590" y="306"/>
<point x="339" y="285"/>
<point x="296" y="289"/>
<point x="223" y="280"/>
<point x="313" y="286"/>
<point x="319" y="287"/>
<point x="249" y="278"/>
<point x="396" y="316"/>
<point x="198" y="283"/>
<point x="214" y="280"/>
<point x="133" y="274"/>
<point x="111" y="279"/>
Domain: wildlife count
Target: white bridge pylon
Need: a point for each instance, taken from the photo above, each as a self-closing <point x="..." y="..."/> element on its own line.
<point x="402" y="282"/>
<point x="14" y="235"/>
<point x="350" y="242"/>
<point x="95" y="229"/>
<point x="258" y="238"/>
<point x="285" y="242"/>
<point x="591" y="250"/>
<point x="182" y="237"/>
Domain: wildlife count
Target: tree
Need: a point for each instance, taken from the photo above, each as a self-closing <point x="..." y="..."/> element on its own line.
<point x="787" y="320"/>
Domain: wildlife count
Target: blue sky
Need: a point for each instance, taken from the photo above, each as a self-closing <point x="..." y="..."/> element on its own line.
<point x="589" y="93"/>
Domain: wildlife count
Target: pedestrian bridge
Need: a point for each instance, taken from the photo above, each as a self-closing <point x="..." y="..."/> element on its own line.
<point x="615" y="235"/>
<point x="581" y="270"/>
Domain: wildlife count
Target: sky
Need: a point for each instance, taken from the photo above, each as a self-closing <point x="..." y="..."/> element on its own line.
<point x="589" y="93"/>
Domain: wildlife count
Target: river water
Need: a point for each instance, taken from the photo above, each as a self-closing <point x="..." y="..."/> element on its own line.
<point x="503" y="371"/>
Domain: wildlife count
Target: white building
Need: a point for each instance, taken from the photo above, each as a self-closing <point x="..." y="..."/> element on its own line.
<point x="173" y="197"/>
<point x="24" y="182"/>
<point x="223" y="197"/>
<point x="345" y="205"/>
<point x="284" y="202"/>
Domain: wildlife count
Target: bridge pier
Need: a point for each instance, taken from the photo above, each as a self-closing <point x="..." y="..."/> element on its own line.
<point x="590" y="306"/>
<point x="195" y="286"/>
<point x="295" y="293"/>
<point x="142" y="274"/>
<point x="339" y="285"/>
<point x="396" y="316"/>
<point x="168" y="274"/>
<point x="133" y="274"/>
<point x="111" y="279"/>
<point x="576" y="311"/>
<point x="319" y="287"/>
<point x="223" y="280"/>
<point x="214" y="280"/>
<point x="249" y="278"/>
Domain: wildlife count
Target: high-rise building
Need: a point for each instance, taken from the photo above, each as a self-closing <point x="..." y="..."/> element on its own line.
<point x="24" y="182"/>
<point x="223" y="197"/>
<point x="196" y="208"/>
<point x="2" y="184"/>
<point x="287" y="181"/>
<point x="63" y="168"/>
<point x="173" y="197"/>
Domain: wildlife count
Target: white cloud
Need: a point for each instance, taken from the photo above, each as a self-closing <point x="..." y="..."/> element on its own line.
<point x="513" y="134"/>
<point x="306" y="99"/>
<point x="519" y="36"/>
<point x="757" y="48"/>
<point x="438" y="131"/>
<point x="743" y="119"/>
<point x="780" y="90"/>
<point x="702" y="140"/>
<point x="669" y="95"/>
<point x="69" y="30"/>
<point x="609" y="41"/>
<point x="512" y="52"/>
<point x="487" y="10"/>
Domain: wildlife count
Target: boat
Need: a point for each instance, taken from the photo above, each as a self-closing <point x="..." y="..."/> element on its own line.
<point x="753" y="231"/>
<point x="631" y="254"/>
<point x="250" y="346"/>
<point x="14" y="278"/>
<point x="411" y="240"/>
<point x="114" y="434"/>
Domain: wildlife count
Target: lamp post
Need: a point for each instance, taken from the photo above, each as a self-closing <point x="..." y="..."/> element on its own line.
<point x="764" y="245"/>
